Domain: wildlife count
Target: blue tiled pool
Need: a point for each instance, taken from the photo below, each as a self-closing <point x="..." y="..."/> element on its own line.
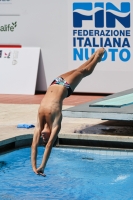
<point x="75" y="174"/>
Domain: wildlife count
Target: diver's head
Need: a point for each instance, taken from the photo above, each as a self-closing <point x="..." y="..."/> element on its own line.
<point x="45" y="136"/>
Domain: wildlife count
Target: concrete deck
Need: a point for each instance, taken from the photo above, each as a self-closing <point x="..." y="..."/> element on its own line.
<point x="80" y="129"/>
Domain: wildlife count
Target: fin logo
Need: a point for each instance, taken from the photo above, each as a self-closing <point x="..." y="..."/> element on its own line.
<point x="98" y="11"/>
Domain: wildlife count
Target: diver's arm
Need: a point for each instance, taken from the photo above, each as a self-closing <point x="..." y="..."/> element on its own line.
<point x="48" y="148"/>
<point x="35" y="143"/>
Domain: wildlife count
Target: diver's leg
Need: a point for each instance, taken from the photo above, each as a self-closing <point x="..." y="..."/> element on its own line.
<point x="84" y="70"/>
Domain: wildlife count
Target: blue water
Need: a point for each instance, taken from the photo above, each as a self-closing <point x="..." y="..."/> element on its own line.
<point x="70" y="174"/>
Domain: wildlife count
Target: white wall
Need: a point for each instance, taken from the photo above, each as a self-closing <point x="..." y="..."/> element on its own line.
<point x="41" y="24"/>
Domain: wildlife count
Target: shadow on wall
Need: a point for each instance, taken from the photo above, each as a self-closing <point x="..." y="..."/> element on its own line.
<point x="41" y="85"/>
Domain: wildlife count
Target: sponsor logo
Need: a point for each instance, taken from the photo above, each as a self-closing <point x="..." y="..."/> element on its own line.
<point x="8" y="27"/>
<point x="5" y="1"/>
<point x="15" y="57"/>
<point x="95" y="12"/>
<point x="14" y="62"/>
<point x="0" y="53"/>
<point x="110" y="28"/>
<point x="7" y="55"/>
<point x="15" y="54"/>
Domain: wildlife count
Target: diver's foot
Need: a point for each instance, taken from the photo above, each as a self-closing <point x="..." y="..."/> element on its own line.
<point x="99" y="53"/>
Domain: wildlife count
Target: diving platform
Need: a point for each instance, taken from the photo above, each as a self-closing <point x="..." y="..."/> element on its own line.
<point x="118" y="106"/>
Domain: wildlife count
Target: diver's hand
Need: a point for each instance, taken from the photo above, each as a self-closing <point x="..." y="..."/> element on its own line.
<point x="35" y="171"/>
<point x="40" y="171"/>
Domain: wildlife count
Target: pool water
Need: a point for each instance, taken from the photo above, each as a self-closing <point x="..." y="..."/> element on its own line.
<point x="70" y="174"/>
